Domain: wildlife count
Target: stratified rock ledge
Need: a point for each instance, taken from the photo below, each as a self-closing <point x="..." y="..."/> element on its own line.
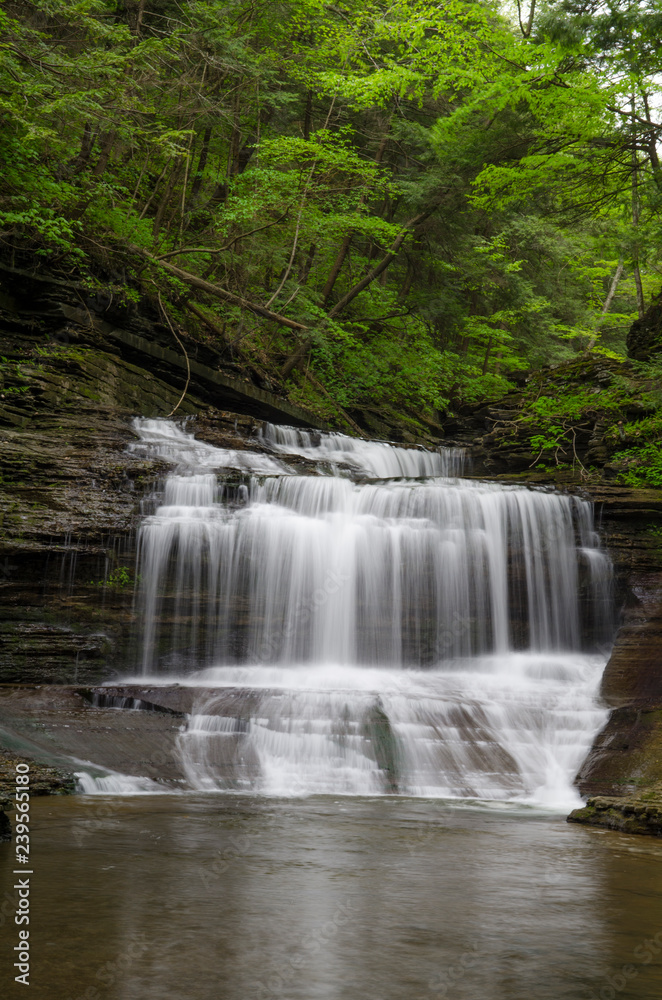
<point x="627" y="815"/>
<point x="45" y="779"/>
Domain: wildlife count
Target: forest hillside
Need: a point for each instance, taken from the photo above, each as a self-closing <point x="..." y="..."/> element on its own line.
<point x="411" y="206"/>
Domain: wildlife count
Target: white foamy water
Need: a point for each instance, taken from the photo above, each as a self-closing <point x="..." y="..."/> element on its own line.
<point x="165" y="439"/>
<point x="319" y="569"/>
<point x="375" y="459"/>
<point x="423" y="638"/>
<point x="515" y="727"/>
<point x="115" y="783"/>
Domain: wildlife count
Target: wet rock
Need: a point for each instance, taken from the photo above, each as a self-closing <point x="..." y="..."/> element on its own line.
<point x="633" y="675"/>
<point x="75" y="370"/>
<point x="644" y="339"/>
<point x="632" y="815"/>
<point x="625" y="762"/>
<point x="51" y="724"/>
<point x="45" y="778"/>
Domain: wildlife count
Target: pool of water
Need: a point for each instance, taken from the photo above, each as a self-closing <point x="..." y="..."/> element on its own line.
<point x="233" y="898"/>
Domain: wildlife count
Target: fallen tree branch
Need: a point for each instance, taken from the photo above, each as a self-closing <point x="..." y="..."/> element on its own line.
<point x="585" y="474"/>
<point x="217" y="292"/>
<point x="226" y="246"/>
<point x="294" y="359"/>
<point x="390" y="255"/>
<point x="206" y="320"/>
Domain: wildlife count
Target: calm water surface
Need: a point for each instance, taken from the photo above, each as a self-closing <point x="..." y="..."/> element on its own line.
<point x="236" y="898"/>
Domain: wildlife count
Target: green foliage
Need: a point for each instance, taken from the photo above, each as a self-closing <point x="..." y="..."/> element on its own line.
<point x="644" y="465"/>
<point x="118" y="579"/>
<point x="60" y="352"/>
<point x="574" y="403"/>
<point x="281" y="152"/>
<point x="550" y="440"/>
<point x="645" y="430"/>
<point x="15" y="378"/>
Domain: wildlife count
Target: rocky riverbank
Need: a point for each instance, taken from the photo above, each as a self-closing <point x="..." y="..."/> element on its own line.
<point x="640" y="814"/>
<point x="45" y="779"/>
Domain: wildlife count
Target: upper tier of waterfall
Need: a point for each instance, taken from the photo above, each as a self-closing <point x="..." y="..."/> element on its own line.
<point x="318" y="569"/>
<point x="376" y="459"/>
<point x="383" y="625"/>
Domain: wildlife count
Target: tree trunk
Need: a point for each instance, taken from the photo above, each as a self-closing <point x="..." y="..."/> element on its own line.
<point x="107" y="143"/>
<point x="165" y="198"/>
<point x="307" y="264"/>
<point x="296" y="357"/>
<point x="390" y="255"/>
<point x="406" y="288"/>
<point x="526" y="28"/>
<point x="607" y="304"/>
<point x="217" y="292"/>
<point x="487" y="356"/>
<point x="345" y="245"/>
<point x="235" y="141"/>
<point x="135" y="12"/>
<point x="202" y="163"/>
<point x="86" y="144"/>
<point x="308" y="115"/>
<point x="336" y="269"/>
<point x="641" y="305"/>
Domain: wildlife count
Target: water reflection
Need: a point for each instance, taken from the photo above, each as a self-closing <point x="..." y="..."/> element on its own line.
<point x="234" y="898"/>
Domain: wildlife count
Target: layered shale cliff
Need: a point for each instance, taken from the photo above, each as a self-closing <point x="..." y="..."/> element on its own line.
<point x="74" y="371"/>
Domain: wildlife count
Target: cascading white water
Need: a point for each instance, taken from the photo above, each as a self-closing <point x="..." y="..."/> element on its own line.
<point x="428" y="637"/>
<point x="375" y="459"/>
<point x="163" y="439"/>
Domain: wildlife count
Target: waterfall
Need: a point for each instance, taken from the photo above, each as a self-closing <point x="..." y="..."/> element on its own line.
<point x="377" y="626"/>
<point x="375" y="459"/>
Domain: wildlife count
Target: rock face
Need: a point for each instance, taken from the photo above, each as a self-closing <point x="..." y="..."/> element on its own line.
<point x="622" y="775"/>
<point x="636" y="814"/>
<point x="644" y="339"/>
<point x="566" y="424"/>
<point x="74" y="370"/>
<point x="45" y="778"/>
<point x="50" y="724"/>
<point x="625" y="762"/>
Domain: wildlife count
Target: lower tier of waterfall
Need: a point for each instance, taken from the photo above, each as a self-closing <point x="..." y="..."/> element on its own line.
<point x="515" y="726"/>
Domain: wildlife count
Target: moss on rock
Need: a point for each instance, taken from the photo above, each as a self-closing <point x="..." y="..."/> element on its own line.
<point x="640" y="814"/>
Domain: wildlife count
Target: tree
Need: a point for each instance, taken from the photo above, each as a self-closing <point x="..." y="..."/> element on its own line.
<point x="400" y="203"/>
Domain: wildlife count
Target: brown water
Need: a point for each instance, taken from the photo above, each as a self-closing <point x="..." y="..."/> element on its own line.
<point x="234" y="898"/>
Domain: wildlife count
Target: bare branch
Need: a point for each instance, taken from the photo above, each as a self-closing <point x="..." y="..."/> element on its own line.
<point x="212" y="250"/>
<point x="217" y="291"/>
